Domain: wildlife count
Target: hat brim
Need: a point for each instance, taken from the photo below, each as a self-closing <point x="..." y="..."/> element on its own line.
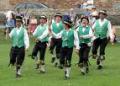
<point x="67" y="23"/>
<point x="103" y="13"/>
<point x="43" y="18"/>
<point x="19" y="20"/>
<point x="95" y="15"/>
<point x="58" y="16"/>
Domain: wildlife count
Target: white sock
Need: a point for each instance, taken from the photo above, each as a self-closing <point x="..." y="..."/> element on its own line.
<point x="82" y="69"/>
<point x="42" y="68"/>
<point x="101" y="63"/>
<point x="54" y="53"/>
<point x="53" y="56"/>
<point x="19" y="72"/>
<point x="68" y="69"/>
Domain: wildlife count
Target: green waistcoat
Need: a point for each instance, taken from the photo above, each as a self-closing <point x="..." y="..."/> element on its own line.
<point x="56" y="29"/>
<point x="81" y="33"/>
<point x="18" y="39"/>
<point x="40" y="31"/>
<point x="101" y="31"/>
<point x="68" y="38"/>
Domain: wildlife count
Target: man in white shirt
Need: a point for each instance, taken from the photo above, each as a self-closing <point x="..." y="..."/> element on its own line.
<point x="102" y="32"/>
<point x="20" y="43"/>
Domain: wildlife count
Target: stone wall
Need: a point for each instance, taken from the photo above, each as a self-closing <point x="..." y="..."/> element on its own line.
<point x="59" y="4"/>
<point x="51" y="3"/>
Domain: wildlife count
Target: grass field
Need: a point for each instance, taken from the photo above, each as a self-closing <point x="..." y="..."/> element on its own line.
<point x="109" y="76"/>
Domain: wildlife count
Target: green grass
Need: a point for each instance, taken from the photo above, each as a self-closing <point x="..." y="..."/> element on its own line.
<point x="109" y="76"/>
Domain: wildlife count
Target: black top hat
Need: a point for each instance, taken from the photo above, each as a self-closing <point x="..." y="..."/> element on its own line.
<point x="18" y="18"/>
<point x="58" y="14"/>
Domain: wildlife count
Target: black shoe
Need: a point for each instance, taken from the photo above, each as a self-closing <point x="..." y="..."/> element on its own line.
<point x="53" y="60"/>
<point x="37" y="66"/>
<point x="65" y="74"/>
<point x="94" y="56"/>
<point x="56" y="64"/>
<point x="80" y="65"/>
<point x="83" y="73"/>
<point x="43" y="72"/>
<point x="87" y="69"/>
<point x="33" y="57"/>
<point x="18" y="76"/>
<point x="60" y="67"/>
<point x="98" y="62"/>
<point x="99" y="67"/>
<point x="66" y="77"/>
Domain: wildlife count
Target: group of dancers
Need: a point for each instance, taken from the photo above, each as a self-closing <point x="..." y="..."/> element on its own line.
<point x="62" y="37"/>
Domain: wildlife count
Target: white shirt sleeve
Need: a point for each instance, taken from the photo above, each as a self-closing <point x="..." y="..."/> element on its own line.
<point x="45" y="33"/>
<point x="110" y="34"/>
<point x="26" y="39"/>
<point x="93" y="26"/>
<point x="35" y="31"/>
<point x="51" y="26"/>
<point x="77" y="29"/>
<point x="76" y="40"/>
<point x="11" y="34"/>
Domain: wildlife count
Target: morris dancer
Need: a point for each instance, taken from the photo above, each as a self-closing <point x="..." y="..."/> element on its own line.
<point x="102" y="31"/>
<point x="20" y="43"/>
<point x="41" y="36"/>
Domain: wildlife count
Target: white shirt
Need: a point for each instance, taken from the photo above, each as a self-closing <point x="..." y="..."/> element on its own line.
<point x="9" y="14"/>
<point x="101" y="22"/>
<point x="44" y="34"/>
<point x="26" y="37"/>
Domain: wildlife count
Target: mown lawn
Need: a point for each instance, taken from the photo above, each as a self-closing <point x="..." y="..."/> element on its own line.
<point x="109" y="76"/>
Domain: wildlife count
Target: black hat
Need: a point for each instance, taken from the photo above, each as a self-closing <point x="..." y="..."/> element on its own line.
<point x="58" y="14"/>
<point x="18" y="18"/>
<point x="85" y="17"/>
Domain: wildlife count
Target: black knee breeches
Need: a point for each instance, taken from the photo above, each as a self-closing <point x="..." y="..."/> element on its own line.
<point x="41" y="48"/>
<point x="17" y="55"/>
<point x="84" y="53"/>
<point x="66" y="56"/>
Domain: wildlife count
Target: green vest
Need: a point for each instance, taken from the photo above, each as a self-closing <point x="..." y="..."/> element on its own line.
<point x="18" y="39"/>
<point x="56" y="29"/>
<point x="101" y="31"/>
<point x="68" y="38"/>
<point x="81" y="33"/>
<point x="40" y="31"/>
